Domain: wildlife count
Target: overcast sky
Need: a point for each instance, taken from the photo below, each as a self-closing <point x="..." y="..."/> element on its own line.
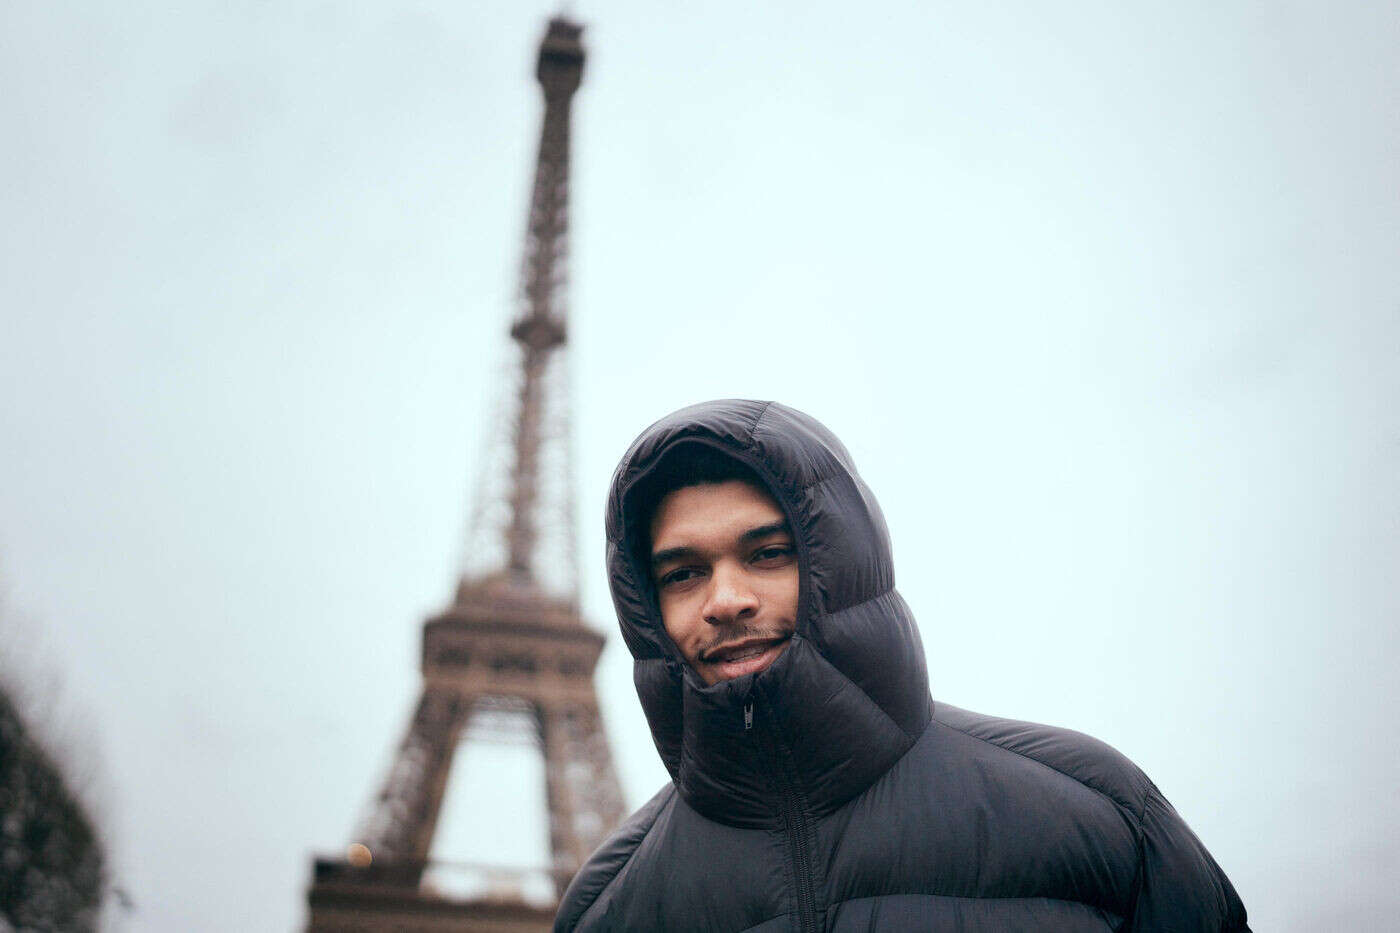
<point x="1103" y="300"/>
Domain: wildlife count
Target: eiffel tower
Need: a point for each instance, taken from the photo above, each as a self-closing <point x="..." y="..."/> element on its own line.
<point x="512" y="640"/>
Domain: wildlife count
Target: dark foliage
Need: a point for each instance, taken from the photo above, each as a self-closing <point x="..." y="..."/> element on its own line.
<point x="51" y="860"/>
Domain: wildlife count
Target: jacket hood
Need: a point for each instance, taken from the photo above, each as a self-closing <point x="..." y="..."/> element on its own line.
<point x="849" y="695"/>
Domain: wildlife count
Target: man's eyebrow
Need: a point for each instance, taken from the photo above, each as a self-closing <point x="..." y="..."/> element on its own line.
<point x="670" y="553"/>
<point x="763" y="531"/>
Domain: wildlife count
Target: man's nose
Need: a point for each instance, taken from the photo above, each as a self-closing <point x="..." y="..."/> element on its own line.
<point x="731" y="598"/>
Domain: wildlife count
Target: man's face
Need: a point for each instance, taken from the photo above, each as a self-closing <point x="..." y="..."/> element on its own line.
<point x="725" y="569"/>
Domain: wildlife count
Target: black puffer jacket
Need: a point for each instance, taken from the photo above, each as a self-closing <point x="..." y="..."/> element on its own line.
<point x="854" y="802"/>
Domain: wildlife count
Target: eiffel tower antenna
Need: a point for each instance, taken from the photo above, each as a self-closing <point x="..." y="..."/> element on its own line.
<point x="512" y="640"/>
<point x="540" y="331"/>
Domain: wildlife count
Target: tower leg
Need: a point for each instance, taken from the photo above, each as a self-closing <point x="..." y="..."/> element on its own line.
<point x="401" y="826"/>
<point x="585" y="801"/>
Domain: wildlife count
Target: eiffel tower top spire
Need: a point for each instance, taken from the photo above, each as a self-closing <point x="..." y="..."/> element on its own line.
<point x="540" y="328"/>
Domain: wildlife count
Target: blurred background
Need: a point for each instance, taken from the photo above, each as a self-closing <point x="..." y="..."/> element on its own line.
<point x="1103" y="301"/>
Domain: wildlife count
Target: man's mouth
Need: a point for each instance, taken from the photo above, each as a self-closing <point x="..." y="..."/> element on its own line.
<point x="744" y="657"/>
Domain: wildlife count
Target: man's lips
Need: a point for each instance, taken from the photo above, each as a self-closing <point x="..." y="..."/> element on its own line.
<point x="744" y="657"/>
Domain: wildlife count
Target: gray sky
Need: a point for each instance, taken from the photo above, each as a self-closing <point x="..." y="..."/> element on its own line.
<point x="1103" y="300"/>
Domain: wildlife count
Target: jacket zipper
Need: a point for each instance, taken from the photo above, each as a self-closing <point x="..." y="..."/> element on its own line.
<point x="796" y="825"/>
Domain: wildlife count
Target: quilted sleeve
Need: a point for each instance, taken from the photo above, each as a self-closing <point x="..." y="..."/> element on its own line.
<point x="1180" y="887"/>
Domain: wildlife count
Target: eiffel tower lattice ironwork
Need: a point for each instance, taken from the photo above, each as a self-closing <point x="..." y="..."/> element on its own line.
<point x="508" y="641"/>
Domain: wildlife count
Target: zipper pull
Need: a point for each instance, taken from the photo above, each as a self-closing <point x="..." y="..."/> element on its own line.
<point x="748" y="716"/>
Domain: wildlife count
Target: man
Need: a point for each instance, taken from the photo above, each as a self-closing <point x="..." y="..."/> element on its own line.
<point x="815" y="783"/>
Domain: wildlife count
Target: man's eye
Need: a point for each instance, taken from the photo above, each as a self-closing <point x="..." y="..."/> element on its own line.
<point x="679" y="575"/>
<point x="773" y="552"/>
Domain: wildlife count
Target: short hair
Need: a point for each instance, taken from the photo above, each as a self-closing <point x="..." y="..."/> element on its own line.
<point x="692" y="464"/>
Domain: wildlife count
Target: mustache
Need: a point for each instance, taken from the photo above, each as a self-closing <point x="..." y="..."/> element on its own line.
<point x="732" y="636"/>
